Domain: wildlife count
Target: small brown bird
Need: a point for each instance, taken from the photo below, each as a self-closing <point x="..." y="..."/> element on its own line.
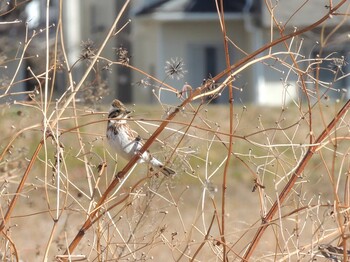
<point x="127" y="142"/>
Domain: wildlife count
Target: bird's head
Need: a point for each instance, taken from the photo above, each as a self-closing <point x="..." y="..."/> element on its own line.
<point x="118" y="110"/>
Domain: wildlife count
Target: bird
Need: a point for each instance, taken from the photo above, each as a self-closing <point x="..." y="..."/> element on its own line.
<point x="127" y="142"/>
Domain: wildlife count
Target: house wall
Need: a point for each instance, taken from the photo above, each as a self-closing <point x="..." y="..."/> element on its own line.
<point x="279" y="85"/>
<point x="164" y="40"/>
<point x="145" y="56"/>
<point x="271" y="82"/>
<point x="301" y="13"/>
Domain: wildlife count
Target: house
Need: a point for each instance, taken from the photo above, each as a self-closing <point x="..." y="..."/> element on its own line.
<point x="190" y="30"/>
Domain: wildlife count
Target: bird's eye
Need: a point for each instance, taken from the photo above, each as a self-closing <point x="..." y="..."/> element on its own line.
<point x="114" y="113"/>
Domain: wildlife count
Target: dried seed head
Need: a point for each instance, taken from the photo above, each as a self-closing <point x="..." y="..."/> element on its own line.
<point x="175" y="68"/>
<point x="123" y="55"/>
<point x="88" y="50"/>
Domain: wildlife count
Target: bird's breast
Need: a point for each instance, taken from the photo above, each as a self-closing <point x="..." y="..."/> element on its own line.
<point x="120" y="140"/>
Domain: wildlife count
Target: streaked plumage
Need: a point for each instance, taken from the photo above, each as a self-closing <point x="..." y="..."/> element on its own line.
<point x="125" y="141"/>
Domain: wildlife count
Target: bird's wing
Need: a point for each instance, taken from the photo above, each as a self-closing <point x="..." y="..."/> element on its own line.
<point x="135" y="136"/>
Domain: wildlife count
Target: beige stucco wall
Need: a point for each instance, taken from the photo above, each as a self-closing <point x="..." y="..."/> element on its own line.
<point x="155" y="42"/>
<point x="300" y="13"/>
<point x="145" y="46"/>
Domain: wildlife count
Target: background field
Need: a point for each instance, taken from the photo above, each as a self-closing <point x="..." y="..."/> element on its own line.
<point x="158" y="217"/>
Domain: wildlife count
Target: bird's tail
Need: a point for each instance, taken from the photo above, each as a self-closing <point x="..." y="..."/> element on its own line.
<point x="167" y="171"/>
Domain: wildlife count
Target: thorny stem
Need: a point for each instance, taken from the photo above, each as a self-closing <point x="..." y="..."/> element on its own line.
<point x="20" y="186"/>
<point x="59" y="114"/>
<point x="116" y="181"/>
<point x="279" y="40"/>
<point x="296" y="65"/>
<point x="206" y="237"/>
<point x="226" y="168"/>
<point x="162" y="126"/>
<point x="284" y="193"/>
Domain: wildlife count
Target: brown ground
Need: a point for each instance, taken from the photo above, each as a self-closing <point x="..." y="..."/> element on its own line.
<point x="167" y="219"/>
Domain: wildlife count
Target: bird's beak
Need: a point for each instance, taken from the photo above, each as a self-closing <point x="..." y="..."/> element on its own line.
<point x="127" y="112"/>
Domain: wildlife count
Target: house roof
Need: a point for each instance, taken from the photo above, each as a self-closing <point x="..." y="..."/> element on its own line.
<point x="194" y="6"/>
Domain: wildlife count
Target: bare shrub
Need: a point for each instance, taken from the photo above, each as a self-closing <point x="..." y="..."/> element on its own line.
<point x="253" y="183"/>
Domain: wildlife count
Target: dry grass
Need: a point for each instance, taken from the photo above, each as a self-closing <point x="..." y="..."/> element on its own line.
<point x="253" y="183"/>
<point x="162" y="217"/>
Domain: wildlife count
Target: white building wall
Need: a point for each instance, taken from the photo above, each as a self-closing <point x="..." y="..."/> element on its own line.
<point x="174" y="40"/>
<point x="145" y="53"/>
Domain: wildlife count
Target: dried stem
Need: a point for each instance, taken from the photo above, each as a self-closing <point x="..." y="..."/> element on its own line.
<point x="297" y="173"/>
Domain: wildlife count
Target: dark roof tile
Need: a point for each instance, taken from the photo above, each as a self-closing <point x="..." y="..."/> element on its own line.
<point x="193" y="6"/>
